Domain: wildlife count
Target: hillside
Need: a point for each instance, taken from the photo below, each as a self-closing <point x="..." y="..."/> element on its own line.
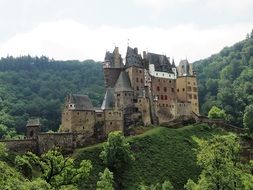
<point x="160" y="154"/>
<point x="226" y="80"/>
<point x="38" y="86"/>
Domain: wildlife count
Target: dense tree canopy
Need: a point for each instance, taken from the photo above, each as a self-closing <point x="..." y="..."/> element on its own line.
<point x="220" y="160"/>
<point x="38" y="86"/>
<point x="226" y="80"/>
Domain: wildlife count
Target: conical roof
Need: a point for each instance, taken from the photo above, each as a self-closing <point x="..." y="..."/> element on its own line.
<point x="123" y="83"/>
<point x="109" y="100"/>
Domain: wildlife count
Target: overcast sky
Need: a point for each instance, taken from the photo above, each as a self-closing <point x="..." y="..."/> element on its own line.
<point x="85" y="29"/>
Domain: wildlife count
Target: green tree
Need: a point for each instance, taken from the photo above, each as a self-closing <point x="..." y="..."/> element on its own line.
<point x="216" y="113"/>
<point x="105" y="180"/>
<point x="55" y="169"/>
<point x="248" y="118"/>
<point x="117" y="155"/>
<point x="165" y="186"/>
<point x="219" y="158"/>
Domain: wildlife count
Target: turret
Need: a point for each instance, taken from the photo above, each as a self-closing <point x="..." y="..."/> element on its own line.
<point x="33" y="128"/>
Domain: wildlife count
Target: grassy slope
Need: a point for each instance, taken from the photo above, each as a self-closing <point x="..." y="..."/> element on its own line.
<point x="160" y="154"/>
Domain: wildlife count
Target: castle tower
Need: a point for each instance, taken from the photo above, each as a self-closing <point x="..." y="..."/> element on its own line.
<point x="187" y="87"/>
<point x="33" y="128"/>
<point x="123" y="91"/>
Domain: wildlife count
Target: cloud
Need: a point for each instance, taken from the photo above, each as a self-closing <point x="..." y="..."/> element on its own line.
<point x="68" y="39"/>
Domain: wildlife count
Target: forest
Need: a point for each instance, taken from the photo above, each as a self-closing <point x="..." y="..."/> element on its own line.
<point x="225" y="80"/>
<point x="38" y="86"/>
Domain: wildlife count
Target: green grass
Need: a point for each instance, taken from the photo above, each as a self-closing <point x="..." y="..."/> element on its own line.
<point x="160" y="154"/>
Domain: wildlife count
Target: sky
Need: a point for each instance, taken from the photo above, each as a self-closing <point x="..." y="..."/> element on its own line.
<point x="86" y="29"/>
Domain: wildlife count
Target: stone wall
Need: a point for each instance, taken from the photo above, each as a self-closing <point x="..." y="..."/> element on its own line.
<point x="187" y="91"/>
<point x="21" y="146"/>
<point x="64" y="141"/>
<point x="136" y="76"/>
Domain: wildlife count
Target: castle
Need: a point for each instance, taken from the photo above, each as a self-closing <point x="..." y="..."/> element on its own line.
<point x="146" y="89"/>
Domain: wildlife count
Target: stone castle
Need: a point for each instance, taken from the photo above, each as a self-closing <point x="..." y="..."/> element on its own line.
<point x="146" y="89"/>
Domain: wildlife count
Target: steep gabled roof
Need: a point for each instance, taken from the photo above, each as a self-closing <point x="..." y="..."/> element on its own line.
<point x="123" y="83"/>
<point x="161" y="62"/>
<point x="109" y="100"/>
<point x="133" y="58"/>
<point x="81" y="102"/>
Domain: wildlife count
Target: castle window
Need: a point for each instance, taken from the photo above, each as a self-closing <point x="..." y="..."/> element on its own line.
<point x="166" y="105"/>
<point x="165" y="97"/>
<point x="170" y="81"/>
<point x="189" y="88"/>
<point x="125" y="94"/>
<point x="161" y="97"/>
<point x="78" y="113"/>
<point x="137" y="87"/>
<point x="165" y="89"/>
<point x="194" y="89"/>
<point x="183" y="89"/>
<point x="163" y="105"/>
<point x="158" y="88"/>
<point x="189" y="83"/>
<point x="172" y="89"/>
<point x="190" y="96"/>
<point x="83" y="127"/>
<point x="177" y="90"/>
<point x="118" y="94"/>
<point x="137" y="79"/>
<point x="141" y="81"/>
<point x="139" y="100"/>
<point x="140" y="71"/>
<point x="110" y="123"/>
<point x="195" y="96"/>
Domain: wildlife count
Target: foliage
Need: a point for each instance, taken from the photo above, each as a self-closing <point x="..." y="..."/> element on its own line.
<point x="220" y="162"/>
<point x="165" y="186"/>
<point x="38" y="86"/>
<point x="248" y="118"/>
<point x="216" y="113"/>
<point x="160" y="154"/>
<point x="117" y="155"/>
<point x="105" y="180"/>
<point x="225" y="80"/>
<point x="55" y="169"/>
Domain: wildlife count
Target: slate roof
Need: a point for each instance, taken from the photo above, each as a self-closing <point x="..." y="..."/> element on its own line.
<point x="81" y="102"/>
<point x="123" y="83"/>
<point x="109" y="100"/>
<point x="161" y="62"/>
<point x="133" y="58"/>
<point x="33" y="122"/>
<point x="109" y="58"/>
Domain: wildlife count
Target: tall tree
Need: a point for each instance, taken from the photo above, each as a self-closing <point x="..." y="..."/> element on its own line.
<point x="117" y="155"/>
